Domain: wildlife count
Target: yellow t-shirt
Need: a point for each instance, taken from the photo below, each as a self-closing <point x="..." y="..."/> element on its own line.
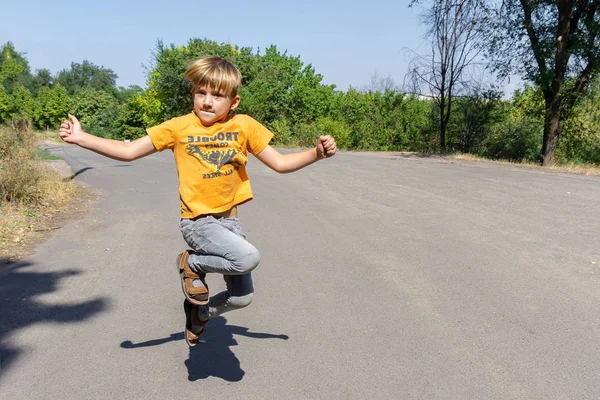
<point x="211" y="160"/>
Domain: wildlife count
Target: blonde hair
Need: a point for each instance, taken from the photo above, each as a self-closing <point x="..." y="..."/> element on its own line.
<point x="216" y="73"/>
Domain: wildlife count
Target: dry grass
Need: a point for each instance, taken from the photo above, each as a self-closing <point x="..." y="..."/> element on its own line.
<point x="33" y="197"/>
<point x="52" y="136"/>
<point x="577" y="169"/>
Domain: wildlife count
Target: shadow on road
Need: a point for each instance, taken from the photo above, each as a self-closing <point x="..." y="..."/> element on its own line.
<point x="81" y="171"/>
<point x="213" y="357"/>
<point x="20" y="283"/>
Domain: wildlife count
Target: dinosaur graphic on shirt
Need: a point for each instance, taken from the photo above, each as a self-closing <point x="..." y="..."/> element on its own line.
<point x="215" y="157"/>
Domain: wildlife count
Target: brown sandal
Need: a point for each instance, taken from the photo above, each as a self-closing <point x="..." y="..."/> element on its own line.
<point x="191" y="319"/>
<point x="195" y="295"/>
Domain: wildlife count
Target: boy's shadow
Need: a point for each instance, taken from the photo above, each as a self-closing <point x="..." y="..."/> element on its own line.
<point x="213" y="357"/>
<point x="21" y="285"/>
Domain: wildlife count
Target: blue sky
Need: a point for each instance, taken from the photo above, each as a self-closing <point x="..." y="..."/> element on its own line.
<point x="346" y="41"/>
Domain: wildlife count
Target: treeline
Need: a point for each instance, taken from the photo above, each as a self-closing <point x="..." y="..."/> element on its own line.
<point x="291" y="99"/>
<point x="42" y="100"/>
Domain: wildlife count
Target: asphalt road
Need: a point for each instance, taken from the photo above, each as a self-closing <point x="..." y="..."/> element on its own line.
<point x="381" y="277"/>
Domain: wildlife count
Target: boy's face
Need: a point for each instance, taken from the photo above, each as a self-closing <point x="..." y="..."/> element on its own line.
<point x="212" y="105"/>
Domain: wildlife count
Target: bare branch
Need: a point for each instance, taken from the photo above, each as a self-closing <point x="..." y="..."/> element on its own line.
<point x="453" y="33"/>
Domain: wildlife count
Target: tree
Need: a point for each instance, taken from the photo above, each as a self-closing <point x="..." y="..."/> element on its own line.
<point x="453" y="31"/>
<point x="42" y="78"/>
<point x="5" y="105"/>
<point x="87" y="74"/>
<point x="124" y="94"/>
<point x="309" y="98"/>
<point x="285" y="88"/>
<point x="166" y="79"/>
<point x="130" y="122"/>
<point x="53" y="105"/>
<point x="24" y="104"/>
<point x="275" y="86"/>
<point x="14" y="68"/>
<point x="267" y="96"/>
<point x="167" y="83"/>
<point x="556" y="45"/>
<point x="89" y="103"/>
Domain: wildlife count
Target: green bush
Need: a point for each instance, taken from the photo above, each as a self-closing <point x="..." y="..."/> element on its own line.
<point x="305" y="135"/>
<point x="90" y="105"/>
<point x="514" y="141"/>
<point x="337" y="129"/>
<point x="282" y="132"/>
<point x="580" y="141"/>
<point x="103" y="123"/>
<point x="131" y="133"/>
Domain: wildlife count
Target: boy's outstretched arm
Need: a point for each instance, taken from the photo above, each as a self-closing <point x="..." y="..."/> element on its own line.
<point x="284" y="163"/>
<point x="71" y="132"/>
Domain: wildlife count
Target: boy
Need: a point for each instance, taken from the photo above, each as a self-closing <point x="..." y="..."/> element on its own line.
<point x="210" y="146"/>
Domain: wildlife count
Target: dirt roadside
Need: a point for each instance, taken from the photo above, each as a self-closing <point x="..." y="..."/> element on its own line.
<point x="52" y="219"/>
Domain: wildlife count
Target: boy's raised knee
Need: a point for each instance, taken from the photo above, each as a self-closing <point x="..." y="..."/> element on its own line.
<point x="253" y="259"/>
<point x="248" y="262"/>
<point x="241" y="301"/>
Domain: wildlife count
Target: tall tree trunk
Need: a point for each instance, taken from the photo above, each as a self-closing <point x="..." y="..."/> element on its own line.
<point x="563" y="37"/>
<point x="552" y="131"/>
<point x="553" y="94"/>
<point x="552" y="121"/>
<point x="442" y="126"/>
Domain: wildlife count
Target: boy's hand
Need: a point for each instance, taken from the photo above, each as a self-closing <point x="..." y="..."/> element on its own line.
<point x="71" y="131"/>
<point x="326" y="147"/>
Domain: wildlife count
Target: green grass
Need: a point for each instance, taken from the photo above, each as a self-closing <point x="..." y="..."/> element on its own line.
<point x="44" y="155"/>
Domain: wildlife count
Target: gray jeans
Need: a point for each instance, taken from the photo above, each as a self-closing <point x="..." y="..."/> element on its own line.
<point x="219" y="245"/>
